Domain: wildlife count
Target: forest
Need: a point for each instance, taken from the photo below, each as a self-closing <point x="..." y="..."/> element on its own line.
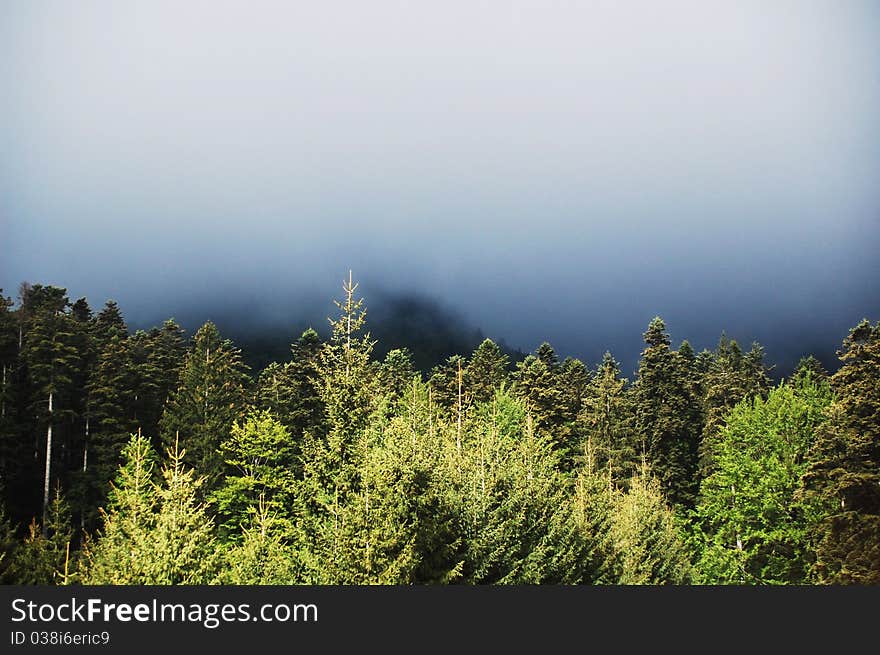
<point x="153" y="457"/>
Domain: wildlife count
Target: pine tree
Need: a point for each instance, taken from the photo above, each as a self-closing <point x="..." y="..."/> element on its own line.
<point x="290" y="390"/>
<point x="731" y="377"/>
<point x="165" y="351"/>
<point x="333" y="461"/>
<point x="450" y="384"/>
<point x="110" y="321"/>
<point x="44" y="557"/>
<point x="183" y="548"/>
<point x="812" y="367"/>
<point x="260" y="454"/>
<point x="396" y="374"/>
<point x="51" y="357"/>
<point x="111" y="393"/>
<point x="518" y="527"/>
<point x="537" y="383"/>
<point x="606" y="422"/>
<point x="574" y="378"/>
<point x="11" y="451"/>
<point x="264" y="556"/>
<point x="119" y="554"/>
<point x="8" y="546"/>
<point x="665" y="406"/>
<point x="211" y="395"/>
<point x="648" y="549"/>
<point x="487" y="371"/>
<point x="844" y="475"/>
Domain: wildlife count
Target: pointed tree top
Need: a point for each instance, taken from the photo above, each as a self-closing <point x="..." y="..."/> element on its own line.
<point x="656" y="334"/>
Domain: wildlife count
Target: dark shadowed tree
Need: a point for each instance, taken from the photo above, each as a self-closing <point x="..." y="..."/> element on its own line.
<point x="211" y="394"/>
<point x="844" y="477"/>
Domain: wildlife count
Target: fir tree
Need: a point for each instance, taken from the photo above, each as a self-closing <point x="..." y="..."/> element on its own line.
<point x="812" y="367"/>
<point x="487" y="371"/>
<point x="333" y="461"/>
<point x="396" y="373"/>
<point x="648" y="548"/>
<point x="731" y="377"/>
<point x="44" y="557"/>
<point x="665" y="406"/>
<point x="211" y="394"/>
<point x="260" y="454"/>
<point x="183" y="548"/>
<point x="844" y="475"/>
<point x="121" y="552"/>
<point x="51" y="357"/>
<point x="264" y="556"/>
<point x="606" y="422"/>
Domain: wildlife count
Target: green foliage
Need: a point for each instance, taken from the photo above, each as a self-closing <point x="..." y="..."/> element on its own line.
<point x="121" y="553"/>
<point x="519" y="526"/>
<point x="396" y="373"/>
<point x="341" y="469"/>
<point x="844" y="475"/>
<point x="260" y="455"/>
<point x="539" y="383"/>
<point x="8" y="546"/>
<point x="606" y="422"/>
<point x="730" y="377"/>
<point x="44" y="556"/>
<point x="153" y="533"/>
<point x="264" y="556"/>
<point x="668" y="416"/>
<point x="111" y="391"/>
<point x="211" y="395"/>
<point x="487" y="371"/>
<point x="753" y="527"/>
<point x="290" y="390"/>
<point x="182" y="539"/>
<point x="648" y="548"/>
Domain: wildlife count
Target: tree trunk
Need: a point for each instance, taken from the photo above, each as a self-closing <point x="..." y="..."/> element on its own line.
<point x="48" y="465"/>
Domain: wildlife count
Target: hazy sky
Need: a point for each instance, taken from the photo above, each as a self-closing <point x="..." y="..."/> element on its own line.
<point x="553" y="170"/>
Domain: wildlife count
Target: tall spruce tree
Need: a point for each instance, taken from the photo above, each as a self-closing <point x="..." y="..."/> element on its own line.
<point x="607" y="423"/>
<point x="111" y="392"/>
<point x="665" y="407"/>
<point x="259" y="453"/>
<point x="211" y="395"/>
<point x="333" y="460"/>
<point x="731" y="377"/>
<point x="11" y="451"/>
<point x="648" y="549"/>
<point x="183" y="548"/>
<point x="844" y="474"/>
<point x="487" y="370"/>
<point x="537" y="382"/>
<point x="44" y="557"/>
<point x="51" y="357"/>
<point x="120" y="552"/>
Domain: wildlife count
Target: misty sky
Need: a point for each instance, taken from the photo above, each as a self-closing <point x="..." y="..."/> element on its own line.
<point x="551" y="170"/>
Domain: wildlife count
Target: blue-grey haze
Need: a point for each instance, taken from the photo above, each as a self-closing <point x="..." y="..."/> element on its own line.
<point x="551" y="170"/>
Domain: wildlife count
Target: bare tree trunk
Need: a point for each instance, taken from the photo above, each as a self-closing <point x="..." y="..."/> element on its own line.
<point x="48" y="465"/>
<point x="458" y="434"/>
<point x="82" y="514"/>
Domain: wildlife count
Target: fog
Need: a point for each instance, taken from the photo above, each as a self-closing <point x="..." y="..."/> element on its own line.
<point x="544" y="170"/>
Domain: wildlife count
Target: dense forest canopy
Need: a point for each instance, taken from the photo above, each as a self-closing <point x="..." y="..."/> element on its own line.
<point x="157" y="457"/>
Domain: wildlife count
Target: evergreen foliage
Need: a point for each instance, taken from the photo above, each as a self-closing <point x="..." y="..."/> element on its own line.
<point x="340" y="468"/>
<point x="844" y="474"/>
